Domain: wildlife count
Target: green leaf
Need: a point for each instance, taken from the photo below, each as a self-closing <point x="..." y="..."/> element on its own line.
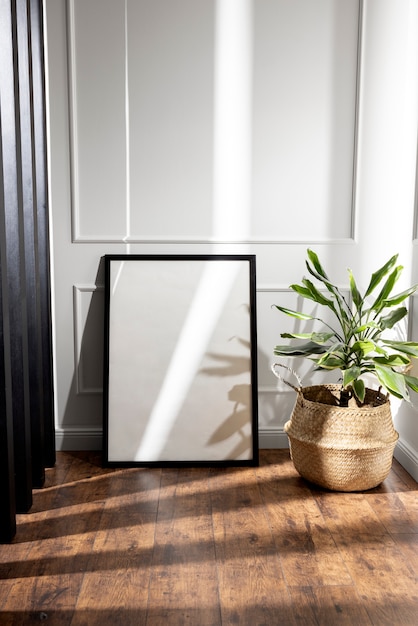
<point x="322" y="337"/>
<point x="330" y="362"/>
<point x="355" y="294"/>
<point x="389" y="321"/>
<point x="363" y="347"/>
<point x="379" y="274"/>
<point x="296" y="335"/>
<point x="412" y="382"/>
<point x="302" y="291"/>
<point x="380" y="350"/>
<point x="304" y="349"/>
<point x="297" y="314"/>
<point x="378" y="304"/>
<point x="359" y="389"/>
<point x="393" y="360"/>
<point x="393" y="382"/>
<point x="407" y="347"/>
<point x="400" y="297"/>
<point x="315" y="337"/>
<point x="313" y="257"/>
<point x="364" y="327"/>
<point x="328" y="285"/>
<point x="316" y="295"/>
<point x="319" y="273"/>
<point x="351" y="374"/>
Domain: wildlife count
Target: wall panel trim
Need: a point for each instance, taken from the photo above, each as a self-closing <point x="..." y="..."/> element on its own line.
<point x="199" y="238"/>
<point x="78" y="290"/>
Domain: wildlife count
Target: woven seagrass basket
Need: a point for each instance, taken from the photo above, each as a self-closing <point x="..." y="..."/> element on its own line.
<point x="342" y="449"/>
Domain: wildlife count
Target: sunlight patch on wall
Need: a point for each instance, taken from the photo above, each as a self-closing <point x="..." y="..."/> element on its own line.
<point x="233" y="111"/>
<point x="231" y="211"/>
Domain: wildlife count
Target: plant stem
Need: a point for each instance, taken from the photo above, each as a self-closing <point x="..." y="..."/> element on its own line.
<point x="345" y="395"/>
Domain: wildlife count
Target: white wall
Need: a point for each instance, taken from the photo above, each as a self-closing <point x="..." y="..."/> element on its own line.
<point x="235" y="126"/>
<point x="388" y="166"/>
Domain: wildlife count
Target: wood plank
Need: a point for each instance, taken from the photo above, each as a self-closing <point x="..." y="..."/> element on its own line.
<point x="308" y="553"/>
<point x="349" y="514"/>
<point x="115" y="585"/>
<point x="328" y="606"/>
<point x="408" y="545"/>
<point x="386" y="583"/>
<point x="247" y="546"/>
<point x="251" y="585"/>
<point x="398" y="512"/>
<point x="48" y="581"/>
<point x="54" y="584"/>
<point x="10" y="554"/>
<point x="60" y="535"/>
<point x="183" y="586"/>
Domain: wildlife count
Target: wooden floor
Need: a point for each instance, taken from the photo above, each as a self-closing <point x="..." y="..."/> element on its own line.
<point x="205" y="546"/>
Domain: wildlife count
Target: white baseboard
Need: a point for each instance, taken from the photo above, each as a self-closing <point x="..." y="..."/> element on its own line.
<point x="92" y="438"/>
<point x="269" y="438"/>
<point x="272" y="438"/>
<point x="78" y="438"/>
<point x="408" y="458"/>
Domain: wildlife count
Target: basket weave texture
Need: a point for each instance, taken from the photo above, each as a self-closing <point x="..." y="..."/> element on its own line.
<point x="342" y="449"/>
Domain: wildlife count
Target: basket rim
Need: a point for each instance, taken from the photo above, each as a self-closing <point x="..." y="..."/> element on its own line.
<point x="384" y="399"/>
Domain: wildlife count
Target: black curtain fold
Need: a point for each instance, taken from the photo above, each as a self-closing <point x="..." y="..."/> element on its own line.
<point x="26" y="401"/>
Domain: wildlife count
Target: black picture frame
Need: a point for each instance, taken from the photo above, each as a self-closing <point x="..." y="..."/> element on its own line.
<point x="180" y="360"/>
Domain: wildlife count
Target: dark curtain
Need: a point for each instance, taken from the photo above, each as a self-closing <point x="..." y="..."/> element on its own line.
<point x="27" y="438"/>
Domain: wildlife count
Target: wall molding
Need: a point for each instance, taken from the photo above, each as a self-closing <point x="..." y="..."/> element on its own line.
<point x="78" y="290"/>
<point x="415" y="223"/>
<point x="138" y="239"/>
<point x="360" y="36"/>
<point x="72" y="110"/>
<point x="273" y="288"/>
<point x="199" y="238"/>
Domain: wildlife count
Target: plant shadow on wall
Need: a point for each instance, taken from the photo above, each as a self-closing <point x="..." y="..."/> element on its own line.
<point x="238" y="422"/>
<point x="342" y="436"/>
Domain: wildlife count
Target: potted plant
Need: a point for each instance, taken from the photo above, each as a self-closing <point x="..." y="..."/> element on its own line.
<point x="342" y="436"/>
